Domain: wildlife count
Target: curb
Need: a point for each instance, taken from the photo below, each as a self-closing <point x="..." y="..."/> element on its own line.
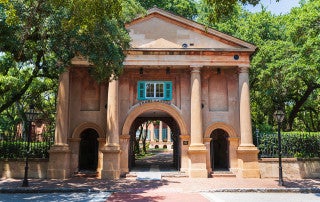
<point x="46" y="190"/>
<point x="268" y="190"/>
<point x="87" y="190"/>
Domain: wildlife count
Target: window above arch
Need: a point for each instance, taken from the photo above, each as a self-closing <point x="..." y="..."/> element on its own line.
<point x="154" y="90"/>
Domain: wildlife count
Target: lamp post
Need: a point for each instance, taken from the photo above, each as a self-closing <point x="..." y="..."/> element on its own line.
<point x="31" y="116"/>
<point x="279" y="116"/>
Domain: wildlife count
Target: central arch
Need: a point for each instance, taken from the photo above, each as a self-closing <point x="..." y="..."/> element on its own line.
<point x="170" y="109"/>
<point x="136" y="113"/>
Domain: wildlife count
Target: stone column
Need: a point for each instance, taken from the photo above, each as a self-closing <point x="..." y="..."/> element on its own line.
<point x="62" y="119"/>
<point x="124" y="154"/>
<point x="245" y="116"/>
<point x="160" y="131"/>
<point x="168" y="134"/>
<point x="196" y="113"/>
<point x="113" y="115"/>
<point x="151" y="132"/>
<point x="247" y="153"/>
<point x="101" y="142"/>
<point x="184" y="141"/>
<point x="208" y="162"/>
<point x="59" y="153"/>
<point x="74" y="144"/>
<point x="197" y="150"/>
<point x="111" y="150"/>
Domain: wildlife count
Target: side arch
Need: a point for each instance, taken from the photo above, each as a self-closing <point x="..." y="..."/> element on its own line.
<point x="220" y="125"/>
<point x="135" y="112"/>
<point x="86" y="125"/>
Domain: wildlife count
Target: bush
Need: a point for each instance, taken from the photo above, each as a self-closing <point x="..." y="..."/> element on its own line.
<point x="297" y="144"/>
<point x="18" y="149"/>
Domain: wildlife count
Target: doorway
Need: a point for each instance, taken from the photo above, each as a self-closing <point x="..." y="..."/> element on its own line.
<point x="219" y="152"/>
<point x="159" y="155"/>
<point x="88" y="152"/>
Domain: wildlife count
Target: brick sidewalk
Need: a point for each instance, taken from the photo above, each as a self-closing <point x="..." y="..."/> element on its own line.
<point x="167" y="189"/>
<point x="168" y="184"/>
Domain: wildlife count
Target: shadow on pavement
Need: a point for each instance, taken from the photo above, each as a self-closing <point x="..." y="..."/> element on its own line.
<point x="303" y="183"/>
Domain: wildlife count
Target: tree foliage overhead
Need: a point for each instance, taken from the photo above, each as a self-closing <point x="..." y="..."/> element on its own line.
<point x="223" y="8"/>
<point x="39" y="38"/>
<point x="285" y="70"/>
<point x="185" y="8"/>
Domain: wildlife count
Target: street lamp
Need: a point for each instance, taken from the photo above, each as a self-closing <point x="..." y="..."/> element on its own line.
<point x="279" y="116"/>
<point x="31" y="116"/>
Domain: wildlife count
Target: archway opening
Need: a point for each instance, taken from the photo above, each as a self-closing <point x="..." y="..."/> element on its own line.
<point x="219" y="150"/>
<point x="161" y="133"/>
<point x="88" y="151"/>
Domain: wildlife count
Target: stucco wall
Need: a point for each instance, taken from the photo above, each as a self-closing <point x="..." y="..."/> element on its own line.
<point x="87" y="100"/>
<point x="15" y="168"/>
<point x="292" y="168"/>
<point x="214" y="110"/>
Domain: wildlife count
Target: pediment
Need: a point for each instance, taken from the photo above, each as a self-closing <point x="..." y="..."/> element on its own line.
<point x="163" y="30"/>
<point x="160" y="43"/>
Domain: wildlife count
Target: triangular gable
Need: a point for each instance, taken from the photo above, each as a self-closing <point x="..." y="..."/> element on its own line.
<point x="160" y="43"/>
<point x="163" y="30"/>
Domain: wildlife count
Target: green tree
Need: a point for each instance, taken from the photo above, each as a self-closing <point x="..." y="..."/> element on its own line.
<point x="285" y="69"/>
<point x="39" y="38"/>
<point x="287" y="66"/>
<point x="185" y="8"/>
<point x="220" y="9"/>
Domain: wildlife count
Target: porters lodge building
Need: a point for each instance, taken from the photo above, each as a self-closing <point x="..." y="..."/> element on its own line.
<point x="190" y="77"/>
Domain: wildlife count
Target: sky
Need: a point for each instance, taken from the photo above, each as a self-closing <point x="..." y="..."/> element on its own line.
<point x="277" y="8"/>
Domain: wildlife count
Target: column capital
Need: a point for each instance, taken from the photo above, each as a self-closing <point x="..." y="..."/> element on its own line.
<point x="195" y="68"/>
<point x="244" y="68"/>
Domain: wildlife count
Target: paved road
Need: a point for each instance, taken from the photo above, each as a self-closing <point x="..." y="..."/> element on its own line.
<point x="169" y="196"/>
<point x="56" y="197"/>
<point x="262" y="197"/>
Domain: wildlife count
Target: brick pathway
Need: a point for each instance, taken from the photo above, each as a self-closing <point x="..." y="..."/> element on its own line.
<point x="170" y="189"/>
<point x="166" y="189"/>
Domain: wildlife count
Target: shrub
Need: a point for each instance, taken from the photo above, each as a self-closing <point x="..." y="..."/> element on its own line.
<point x="17" y="149"/>
<point x="297" y="144"/>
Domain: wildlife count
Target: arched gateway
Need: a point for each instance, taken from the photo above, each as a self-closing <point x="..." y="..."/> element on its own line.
<point x="153" y="111"/>
<point x="193" y="78"/>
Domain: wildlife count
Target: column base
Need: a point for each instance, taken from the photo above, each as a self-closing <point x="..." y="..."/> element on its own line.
<point x="111" y="162"/>
<point x="248" y="166"/>
<point x="197" y="166"/>
<point x="59" y="162"/>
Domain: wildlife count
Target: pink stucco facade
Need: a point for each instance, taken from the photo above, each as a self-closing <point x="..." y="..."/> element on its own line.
<point x="209" y="101"/>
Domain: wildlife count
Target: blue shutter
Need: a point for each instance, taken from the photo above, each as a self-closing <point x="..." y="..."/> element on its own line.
<point x="168" y="90"/>
<point x="141" y="90"/>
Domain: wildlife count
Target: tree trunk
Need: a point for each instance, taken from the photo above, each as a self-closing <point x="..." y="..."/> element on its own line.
<point x="137" y="140"/>
<point x="299" y="103"/>
<point x="144" y="138"/>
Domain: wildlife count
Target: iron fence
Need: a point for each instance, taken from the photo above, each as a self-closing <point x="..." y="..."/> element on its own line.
<point x="14" y="146"/>
<point x="304" y="145"/>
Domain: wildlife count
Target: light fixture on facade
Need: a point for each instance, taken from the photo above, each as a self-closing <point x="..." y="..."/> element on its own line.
<point x="168" y="70"/>
<point x="218" y="71"/>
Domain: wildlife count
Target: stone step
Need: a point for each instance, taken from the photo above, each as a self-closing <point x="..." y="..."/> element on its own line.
<point x="163" y="174"/>
<point x="174" y="174"/>
<point x="86" y="174"/>
<point x="222" y="174"/>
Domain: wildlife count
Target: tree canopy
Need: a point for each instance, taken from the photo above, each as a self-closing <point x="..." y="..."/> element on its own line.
<point x="39" y="38"/>
<point x="285" y="70"/>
